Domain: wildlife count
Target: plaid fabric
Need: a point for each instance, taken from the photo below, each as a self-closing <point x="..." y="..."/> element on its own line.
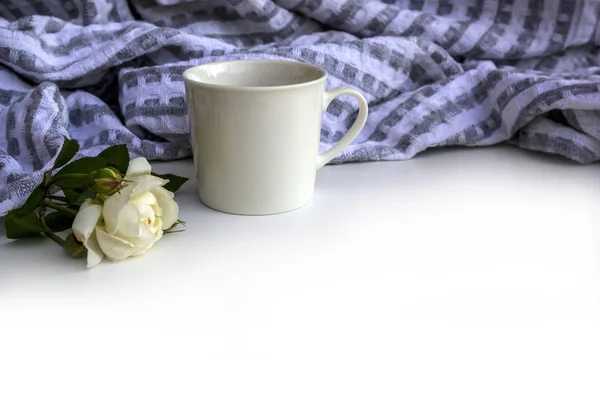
<point x="435" y="72"/>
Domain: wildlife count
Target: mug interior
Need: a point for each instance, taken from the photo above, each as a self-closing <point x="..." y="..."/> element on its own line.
<point x="254" y="73"/>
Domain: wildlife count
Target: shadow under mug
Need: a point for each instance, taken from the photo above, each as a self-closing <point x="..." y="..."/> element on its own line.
<point x="255" y="127"/>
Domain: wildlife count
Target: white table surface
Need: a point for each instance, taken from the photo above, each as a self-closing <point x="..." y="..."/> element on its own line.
<point x="463" y="273"/>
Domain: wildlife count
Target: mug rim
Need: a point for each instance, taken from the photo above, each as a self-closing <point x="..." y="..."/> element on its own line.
<point x="219" y="86"/>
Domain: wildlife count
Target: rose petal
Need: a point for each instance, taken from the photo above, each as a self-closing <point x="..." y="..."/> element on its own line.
<point x="129" y="222"/>
<point x="85" y="221"/>
<point x="157" y="236"/>
<point x="114" y="248"/>
<point x="146" y="240"/>
<point x="148" y="208"/>
<point x="94" y="252"/>
<point x="146" y="204"/>
<point x="147" y="183"/>
<point x="170" y="209"/>
<point x="138" y="166"/>
<point x="114" y="205"/>
<point x="86" y="203"/>
<point x="168" y="193"/>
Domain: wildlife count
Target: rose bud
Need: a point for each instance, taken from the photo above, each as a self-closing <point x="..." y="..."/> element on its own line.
<point x="106" y="181"/>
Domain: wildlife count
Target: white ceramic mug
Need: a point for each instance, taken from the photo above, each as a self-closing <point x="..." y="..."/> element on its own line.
<point x="255" y="129"/>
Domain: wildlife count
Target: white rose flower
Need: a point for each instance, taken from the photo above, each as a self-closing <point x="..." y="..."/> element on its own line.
<point x="130" y="221"/>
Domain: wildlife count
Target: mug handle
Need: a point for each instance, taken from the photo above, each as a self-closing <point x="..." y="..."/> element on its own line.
<point x="355" y="129"/>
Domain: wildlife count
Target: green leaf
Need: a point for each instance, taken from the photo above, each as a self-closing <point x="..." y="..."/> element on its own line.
<point x="22" y="225"/>
<point x="69" y="148"/>
<point x="33" y="201"/>
<point x="73" y="183"/>
<point x="73" y="195"/>
<point x="87" y="194"/>
<point x="75" y="175"/>
<point x="175" y="182"/>
<point x="59" y="221"/>
<point x="117" y="156"/>
<point x="84" y="165"/>
<point x="74" y="248"/>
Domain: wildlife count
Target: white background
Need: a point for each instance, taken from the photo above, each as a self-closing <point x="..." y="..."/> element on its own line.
<point x="470" y="274"/>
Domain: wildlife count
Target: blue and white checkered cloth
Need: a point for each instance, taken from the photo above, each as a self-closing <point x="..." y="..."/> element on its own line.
<point x="435" y="73"/>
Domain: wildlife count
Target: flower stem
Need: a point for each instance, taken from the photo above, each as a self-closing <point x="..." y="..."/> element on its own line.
<point x="66" y="176"/>
<point x="56" y="207"/>
<point x="47" y="178"/>
<point x="57" y="239"/>
<point x="59" y="198"/>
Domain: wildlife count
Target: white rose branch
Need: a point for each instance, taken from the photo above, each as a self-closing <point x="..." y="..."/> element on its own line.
<point x="115" y="207"/>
